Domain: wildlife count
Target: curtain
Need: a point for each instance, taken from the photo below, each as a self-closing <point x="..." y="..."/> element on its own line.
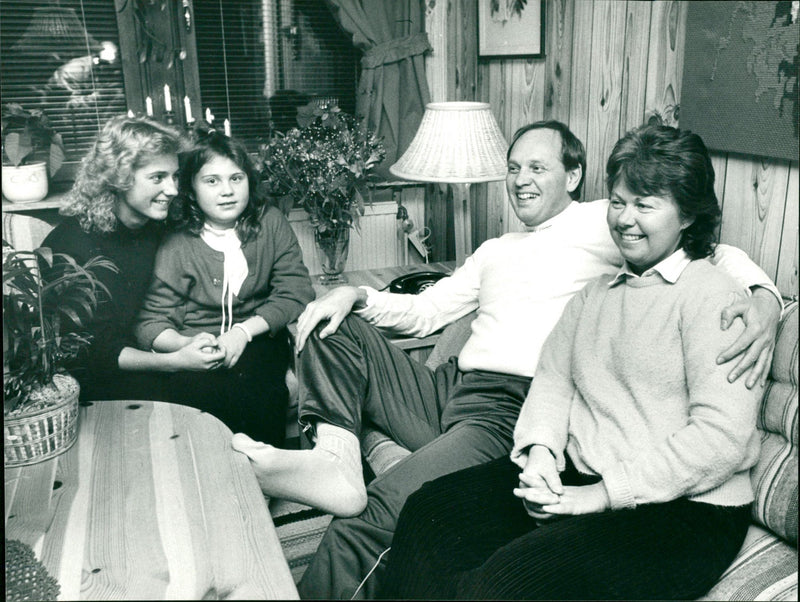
<point x="392" y="92"/>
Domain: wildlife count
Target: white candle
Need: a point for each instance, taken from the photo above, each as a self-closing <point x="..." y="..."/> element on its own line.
<point x="130" y="113"/>
<point x="209" y="116"/>
<point x="227" y="125"/>
<point x="167" y="98"/>
<point x="187" y="107"/>
<point x="148" y="104"/>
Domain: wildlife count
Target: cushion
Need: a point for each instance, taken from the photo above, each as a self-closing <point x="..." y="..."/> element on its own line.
<point x="764" y="569"/>
<point x="775" y="475"/>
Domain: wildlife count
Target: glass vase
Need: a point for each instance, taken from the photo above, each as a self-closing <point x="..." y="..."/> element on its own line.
<point x="333" y="246"/>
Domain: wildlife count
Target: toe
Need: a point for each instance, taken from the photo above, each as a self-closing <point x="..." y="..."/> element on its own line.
<point x="244" y="443"/>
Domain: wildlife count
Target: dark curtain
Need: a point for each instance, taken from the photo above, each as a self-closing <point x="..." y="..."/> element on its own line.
<point x="392" y="92"/>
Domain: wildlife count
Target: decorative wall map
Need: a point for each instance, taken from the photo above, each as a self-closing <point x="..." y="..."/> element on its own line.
<point x="740" y="77"/>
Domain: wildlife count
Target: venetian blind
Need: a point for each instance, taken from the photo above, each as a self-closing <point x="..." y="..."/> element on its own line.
<point x="259" y="59"/>
<point x="63" y="57"/>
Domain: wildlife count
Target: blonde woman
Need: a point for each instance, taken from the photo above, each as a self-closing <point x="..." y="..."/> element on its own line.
<point x="117" y="208"/>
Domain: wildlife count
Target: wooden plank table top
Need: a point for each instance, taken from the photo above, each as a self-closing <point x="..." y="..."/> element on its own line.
<point x="150" y="503"/>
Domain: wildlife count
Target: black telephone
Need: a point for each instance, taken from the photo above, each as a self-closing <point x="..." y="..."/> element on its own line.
<point x="414" y="283"/>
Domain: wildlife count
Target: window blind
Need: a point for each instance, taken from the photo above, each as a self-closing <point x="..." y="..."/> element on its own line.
<point x="260" y="59"/>
<point x="63" y="57"/>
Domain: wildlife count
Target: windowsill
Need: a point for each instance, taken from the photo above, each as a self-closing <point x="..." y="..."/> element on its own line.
<point x="51" y="201"/>
<point x="54" y="199"/>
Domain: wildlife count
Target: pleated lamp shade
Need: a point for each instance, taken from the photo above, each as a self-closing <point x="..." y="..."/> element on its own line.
<point x="457" y="142"/>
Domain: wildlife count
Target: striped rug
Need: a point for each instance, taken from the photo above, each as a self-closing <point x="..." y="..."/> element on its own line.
<point x="300" y="529"/>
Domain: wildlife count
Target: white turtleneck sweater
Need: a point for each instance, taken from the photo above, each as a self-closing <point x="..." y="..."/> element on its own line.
<point x="520" y="284"/>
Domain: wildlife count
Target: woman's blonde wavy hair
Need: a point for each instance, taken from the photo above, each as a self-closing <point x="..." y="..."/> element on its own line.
<point x="124" y="145"/>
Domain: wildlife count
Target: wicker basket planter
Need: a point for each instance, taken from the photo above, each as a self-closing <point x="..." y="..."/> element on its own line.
<point x="43" y="433"/>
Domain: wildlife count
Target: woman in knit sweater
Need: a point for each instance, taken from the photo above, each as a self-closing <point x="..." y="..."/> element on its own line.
<point x="635" y="449"/>
<point x="233" y="271"/>
<point x="117" y="208"/>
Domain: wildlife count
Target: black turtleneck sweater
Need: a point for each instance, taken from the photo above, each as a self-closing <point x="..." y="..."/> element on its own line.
<point x="133" y="252"/>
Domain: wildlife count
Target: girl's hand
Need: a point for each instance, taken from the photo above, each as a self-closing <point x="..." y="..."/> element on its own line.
<point x="208" y="342"/>
<point x="198" y="355"/>
<point x="233" y="343"/>
<point x="588" y="499"/>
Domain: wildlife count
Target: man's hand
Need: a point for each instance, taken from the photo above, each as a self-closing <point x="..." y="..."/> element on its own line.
<point x="754" y="347"/>
<point x="333" y="306"/>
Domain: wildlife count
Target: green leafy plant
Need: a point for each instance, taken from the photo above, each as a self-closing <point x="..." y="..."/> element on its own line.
<point x="28" y="137"/>
<point x="324" y="165"/>
<point x="40" y="289"/>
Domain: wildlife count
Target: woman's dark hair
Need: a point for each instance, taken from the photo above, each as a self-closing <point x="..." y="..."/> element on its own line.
<point x="654" y="160"/>
<point x="573" y="155"/>
<point x="208" y="143"/>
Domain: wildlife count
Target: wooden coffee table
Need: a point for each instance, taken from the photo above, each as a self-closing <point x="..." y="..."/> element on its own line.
<point x="150" y="503"/>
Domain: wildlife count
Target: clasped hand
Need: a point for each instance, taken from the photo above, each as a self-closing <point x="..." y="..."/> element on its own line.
<point x="205" y="352"/>
<point x="545" y="498"/>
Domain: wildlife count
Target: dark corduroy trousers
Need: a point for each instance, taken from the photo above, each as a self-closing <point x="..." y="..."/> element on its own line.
<point x="466" y="536"/>
<point x="449" y="419"/>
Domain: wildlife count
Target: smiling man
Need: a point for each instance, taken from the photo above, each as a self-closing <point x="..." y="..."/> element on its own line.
<point x="463" y="413"/>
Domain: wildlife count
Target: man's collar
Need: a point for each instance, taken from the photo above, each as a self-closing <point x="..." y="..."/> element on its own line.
<point x="670" y="269"/>
<point x="547" y="224"/>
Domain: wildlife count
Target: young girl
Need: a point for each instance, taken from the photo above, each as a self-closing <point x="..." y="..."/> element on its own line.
<point x="234" y="270"/>
<point x="117" y="208"/>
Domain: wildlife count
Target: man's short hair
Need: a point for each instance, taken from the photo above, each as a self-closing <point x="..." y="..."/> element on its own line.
<point x="573" y="154"/>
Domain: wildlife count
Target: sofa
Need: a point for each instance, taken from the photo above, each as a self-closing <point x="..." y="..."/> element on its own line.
<point x="766" y="567"/>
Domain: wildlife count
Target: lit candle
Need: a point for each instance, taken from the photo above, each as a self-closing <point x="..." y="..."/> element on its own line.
<point x="167" y="98"/>
<point x="187" y="107"/>
<point x="130" y="113"/>
<point x="227" y="126"/>
<point x="148" y="103"/>
<point x="209" y="116"/>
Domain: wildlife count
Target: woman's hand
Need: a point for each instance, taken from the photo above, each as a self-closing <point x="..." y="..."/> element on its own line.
<point x="760" y="313"/>
<point x="200" y="354"/>
<point x="587" y="499"/>
<point x="539" y="484"/>
<point x="333" y="306"/>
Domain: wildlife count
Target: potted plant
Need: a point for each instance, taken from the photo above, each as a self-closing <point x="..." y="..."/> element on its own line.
<point x="31" y="149"/>
<point x="324" y="166"/>
<point x="42" y="289"/>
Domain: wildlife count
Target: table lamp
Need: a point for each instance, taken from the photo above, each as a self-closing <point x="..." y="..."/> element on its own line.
<point x="457" y="143"/>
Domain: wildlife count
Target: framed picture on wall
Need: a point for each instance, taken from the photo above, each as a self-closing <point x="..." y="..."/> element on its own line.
<point x="511" y="28"/>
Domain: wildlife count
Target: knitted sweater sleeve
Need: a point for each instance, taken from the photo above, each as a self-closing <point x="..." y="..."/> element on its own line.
<point x="719" y="437"/>
<point x="290" y="288"/>
<point x="438" y="305"/>
<point x="108" y="335"/>
<point x="544" y="417"/>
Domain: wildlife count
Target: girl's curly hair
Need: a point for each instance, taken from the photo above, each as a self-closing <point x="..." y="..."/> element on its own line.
<point x="208" y="143"/>
<point x="124" y="145"/>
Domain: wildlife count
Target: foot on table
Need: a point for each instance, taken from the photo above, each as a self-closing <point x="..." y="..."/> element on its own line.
<point x="328" y="477"/>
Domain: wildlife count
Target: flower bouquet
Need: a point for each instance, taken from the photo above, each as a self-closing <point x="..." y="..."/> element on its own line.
<point x="323" y="166"/>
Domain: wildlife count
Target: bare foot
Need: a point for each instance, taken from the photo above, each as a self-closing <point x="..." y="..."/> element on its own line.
<point x="324" y="477"/>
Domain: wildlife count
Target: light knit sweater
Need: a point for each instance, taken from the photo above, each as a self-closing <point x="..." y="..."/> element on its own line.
<point x="520" y="284"/>
<point x="628" y="384"/>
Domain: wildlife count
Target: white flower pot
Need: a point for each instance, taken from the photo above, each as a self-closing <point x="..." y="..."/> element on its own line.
<point x="25" y="183"/>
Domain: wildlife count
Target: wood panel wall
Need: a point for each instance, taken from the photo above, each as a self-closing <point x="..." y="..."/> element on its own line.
<point x="609" y="64"/>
